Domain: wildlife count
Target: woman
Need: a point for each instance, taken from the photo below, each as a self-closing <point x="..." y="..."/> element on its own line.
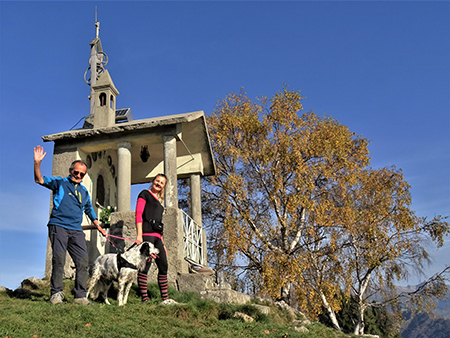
<point x="149" y="226"/>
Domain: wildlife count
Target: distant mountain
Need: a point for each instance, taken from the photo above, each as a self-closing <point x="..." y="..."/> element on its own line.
<point x="443" y="308"/>
<point x="425" y="325"/>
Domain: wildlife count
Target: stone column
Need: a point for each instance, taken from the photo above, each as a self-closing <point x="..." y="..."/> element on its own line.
<point x="173" y="218"/>
<point x="196" y="202"/>
<point x="170" y="170"/>
<point x="123" y="176"/>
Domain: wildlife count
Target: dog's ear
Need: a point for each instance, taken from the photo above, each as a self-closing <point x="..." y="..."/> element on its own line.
<point x="145" y="248"/>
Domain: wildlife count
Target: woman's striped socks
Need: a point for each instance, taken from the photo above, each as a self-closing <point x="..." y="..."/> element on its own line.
<point x="142" y="283"/>
<point x="162" y="281"/>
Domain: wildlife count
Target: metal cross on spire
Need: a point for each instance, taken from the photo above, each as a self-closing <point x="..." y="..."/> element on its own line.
<point x="97" y="24"/>
<point x="97" y="62"/>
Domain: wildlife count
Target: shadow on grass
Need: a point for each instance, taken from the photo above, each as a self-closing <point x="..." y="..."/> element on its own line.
<point x="28" y="290"/>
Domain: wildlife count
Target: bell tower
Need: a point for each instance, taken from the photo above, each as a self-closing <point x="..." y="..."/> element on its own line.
<point x="103" y="92"/>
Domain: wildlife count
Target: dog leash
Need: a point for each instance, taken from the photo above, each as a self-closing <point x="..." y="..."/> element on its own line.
<point x="112" y="244"/>
<point x="127" y="239"/>
<point x="118" y="250"/>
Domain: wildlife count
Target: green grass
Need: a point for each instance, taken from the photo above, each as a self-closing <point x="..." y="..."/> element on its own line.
<point x="31" y="315"/>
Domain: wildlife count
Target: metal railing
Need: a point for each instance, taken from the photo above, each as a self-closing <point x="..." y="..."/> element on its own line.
<point x="193" y="239"/>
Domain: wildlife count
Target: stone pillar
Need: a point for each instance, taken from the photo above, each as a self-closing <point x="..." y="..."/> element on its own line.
<point x="174" y="242"/>
<point x="195" y="199"/>
<point x="170" y="170"/>
<point x="123" y="176"/>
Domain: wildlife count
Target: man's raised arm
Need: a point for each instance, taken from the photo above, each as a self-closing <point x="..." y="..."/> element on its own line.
<point x="39" y="155"/>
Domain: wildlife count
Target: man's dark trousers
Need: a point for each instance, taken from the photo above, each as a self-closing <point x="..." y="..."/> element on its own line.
<point x="74" y="243"/>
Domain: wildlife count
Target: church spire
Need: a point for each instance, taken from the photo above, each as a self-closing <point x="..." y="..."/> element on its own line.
<point x="103" y="92"/>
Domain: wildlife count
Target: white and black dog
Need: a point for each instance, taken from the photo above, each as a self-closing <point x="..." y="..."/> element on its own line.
<point x="122" y="267"/>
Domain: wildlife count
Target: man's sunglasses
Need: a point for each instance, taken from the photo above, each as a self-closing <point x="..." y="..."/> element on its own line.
<point x="76" y="173"/>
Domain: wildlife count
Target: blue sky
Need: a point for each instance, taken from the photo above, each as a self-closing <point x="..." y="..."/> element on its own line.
<point x="381" y="68"/>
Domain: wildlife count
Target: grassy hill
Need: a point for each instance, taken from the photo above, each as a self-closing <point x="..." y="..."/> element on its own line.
<point x="26" y="312"/>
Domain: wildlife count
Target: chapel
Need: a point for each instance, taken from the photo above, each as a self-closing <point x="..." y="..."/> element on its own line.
<point x="120" y="152"/>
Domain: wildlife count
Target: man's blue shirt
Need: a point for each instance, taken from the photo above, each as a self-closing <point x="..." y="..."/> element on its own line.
<point x="70" y="200"/>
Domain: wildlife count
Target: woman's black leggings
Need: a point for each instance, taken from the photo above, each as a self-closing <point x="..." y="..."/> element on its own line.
<point x="161" y="261"/>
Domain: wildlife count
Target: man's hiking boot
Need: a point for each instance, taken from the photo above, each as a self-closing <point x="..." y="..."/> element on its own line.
<point x="82" y="301"/>
<point x="57" y="298"/>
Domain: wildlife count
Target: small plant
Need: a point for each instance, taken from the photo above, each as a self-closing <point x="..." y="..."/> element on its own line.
<point x="105" y="214"/>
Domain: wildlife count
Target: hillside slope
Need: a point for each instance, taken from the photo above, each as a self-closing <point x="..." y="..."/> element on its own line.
<point x="26" y="312"/>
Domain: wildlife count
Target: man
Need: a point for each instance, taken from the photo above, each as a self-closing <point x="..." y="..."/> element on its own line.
<point x="70" y="200"/>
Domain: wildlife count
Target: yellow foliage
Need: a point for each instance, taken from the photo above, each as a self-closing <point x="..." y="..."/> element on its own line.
<point x="293" y="196"/>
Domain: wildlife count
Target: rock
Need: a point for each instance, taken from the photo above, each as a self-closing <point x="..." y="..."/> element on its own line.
<point x="282" y="305"/>
<point x="223" y="286"/>
<point x="32" y="282"/>
<point x="245" y="317"/>
<point x="263" y="309"/>
<point x="302" y="322"/>
<point x="264" y="300"/>
<point x="225" y="296"/>
<point x="299" y="329"/>
<point x="195" y="283"/>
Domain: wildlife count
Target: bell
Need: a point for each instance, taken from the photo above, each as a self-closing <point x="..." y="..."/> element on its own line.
<point x="145" y="154"/>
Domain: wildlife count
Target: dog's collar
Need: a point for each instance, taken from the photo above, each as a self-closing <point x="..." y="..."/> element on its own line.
<point x="123" y="263"/>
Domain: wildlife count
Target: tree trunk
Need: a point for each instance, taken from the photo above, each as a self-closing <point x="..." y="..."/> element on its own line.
<point x="288" y="295"/>
<point x="359" y="328"/>
<point x="330" y="311"/>
<point x="285" y="293"/>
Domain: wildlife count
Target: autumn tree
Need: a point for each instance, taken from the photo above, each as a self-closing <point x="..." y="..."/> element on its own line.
<point x="383" y="240"/>
<point x="274" y="167"/>
<point x="294" y="204"/>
